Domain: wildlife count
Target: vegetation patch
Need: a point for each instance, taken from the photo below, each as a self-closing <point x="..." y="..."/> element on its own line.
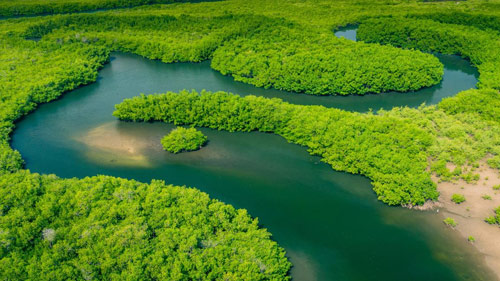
<point x="296" y="60"/>
<point x="9" y="8"/>
<point x="495" y="219"/>
<point x="309" y="62"/>
<point x="486" y="197"/>
<point x="450" y="222"/>
<point x="182" y="139"/>
<point x="106" y="228"/>
<point x="462" y="135"/>
<point x="479" y="46"/>
<point x="458" y="198"/>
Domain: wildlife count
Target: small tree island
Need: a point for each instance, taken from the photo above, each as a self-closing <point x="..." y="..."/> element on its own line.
<point x="182" y="139"/>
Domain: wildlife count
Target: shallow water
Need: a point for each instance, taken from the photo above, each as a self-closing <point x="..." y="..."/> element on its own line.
<point x="330" y="223"/>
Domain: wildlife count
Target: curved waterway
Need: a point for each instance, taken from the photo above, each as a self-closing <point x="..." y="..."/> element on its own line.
<point x="330" y="223"/>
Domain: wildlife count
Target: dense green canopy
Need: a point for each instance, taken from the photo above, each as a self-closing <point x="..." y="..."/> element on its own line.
<point x="182" y="139"/>
<point x="107" y="228"/>
<point x="479" y="46"/>
<point x="9" y="8"/>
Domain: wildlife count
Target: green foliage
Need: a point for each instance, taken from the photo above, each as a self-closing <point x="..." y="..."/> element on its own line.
<point x="494" y="219"/>
<point x="287" y="57"/>
<point x="10" y="160"/>
<point x="182" y="139"/>
<point x="489" y="22"/>
<point x="471" y="239"/>
<point x="450" y="222"/>
<point x="168" y="38"/>
<point x="496" y="187"/>
<point x="479" y="46"/>
<point x="9" y="8"/>
<point x="388" y="150"/>
<point x="457" y="198"/>
<point x="34" y="73"/>
<point x="485" y="104"/>
<point x="106" y="228"/>
<point x="470" y="177"/>
<point x="491" y="220"/>
<point x="462" y="136"/>
<point x="258" y="50"/>
<point x="486" y="197"/>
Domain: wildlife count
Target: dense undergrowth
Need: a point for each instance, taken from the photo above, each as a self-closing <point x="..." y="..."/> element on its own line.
<point x="45" y="233"/>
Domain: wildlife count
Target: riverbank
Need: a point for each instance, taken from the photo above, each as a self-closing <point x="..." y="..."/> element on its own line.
<point x="470" y="214"/>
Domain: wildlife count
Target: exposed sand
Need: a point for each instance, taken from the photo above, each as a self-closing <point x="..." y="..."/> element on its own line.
<point x="111" y="146"/>
<point x="470" y="214"/>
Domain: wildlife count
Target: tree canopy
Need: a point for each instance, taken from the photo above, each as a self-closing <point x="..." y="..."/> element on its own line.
<point x="182" y="139"/>
<point x="108" y="228"/>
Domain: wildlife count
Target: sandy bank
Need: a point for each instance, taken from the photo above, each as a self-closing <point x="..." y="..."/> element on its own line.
<point x="109" y="145"/>
<point x="470" y="214"/>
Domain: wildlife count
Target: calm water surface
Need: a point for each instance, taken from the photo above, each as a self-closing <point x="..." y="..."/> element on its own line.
<point x="330" y="223"/>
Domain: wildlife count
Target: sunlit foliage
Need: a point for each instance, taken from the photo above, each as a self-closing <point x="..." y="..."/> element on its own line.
<point x="479" y="46"/>
<point x="104" y="228"/>
<point x="258" y="50"/>
<point x="10" y="8"/>
<point x="182" y="139"/>
<point x="495" y="219"/>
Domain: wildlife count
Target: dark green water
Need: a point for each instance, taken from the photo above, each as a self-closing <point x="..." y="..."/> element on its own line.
<point x="330" y="223"/>
<point x="348" y="32"/>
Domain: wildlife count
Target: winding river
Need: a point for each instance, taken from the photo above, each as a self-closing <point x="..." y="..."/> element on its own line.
<point x="330" y="223"/>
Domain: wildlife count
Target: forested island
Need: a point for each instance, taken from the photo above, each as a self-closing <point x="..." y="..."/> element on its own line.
<point x="182" y="139"/>
<point x="123" y="223"/>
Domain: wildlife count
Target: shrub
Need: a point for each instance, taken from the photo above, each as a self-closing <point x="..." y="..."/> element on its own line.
<point x="495" y="219"/>
<point x="470" y="177"/>
<point x="486" y="197"/>
<point x="450" y="222"/>
<point x="458" y="198"/>
<point x="491" y="220"/>
<point x="182" y="139"/>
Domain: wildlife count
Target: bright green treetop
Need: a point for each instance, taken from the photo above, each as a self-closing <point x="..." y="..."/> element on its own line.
<point x="182" y="139"/>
